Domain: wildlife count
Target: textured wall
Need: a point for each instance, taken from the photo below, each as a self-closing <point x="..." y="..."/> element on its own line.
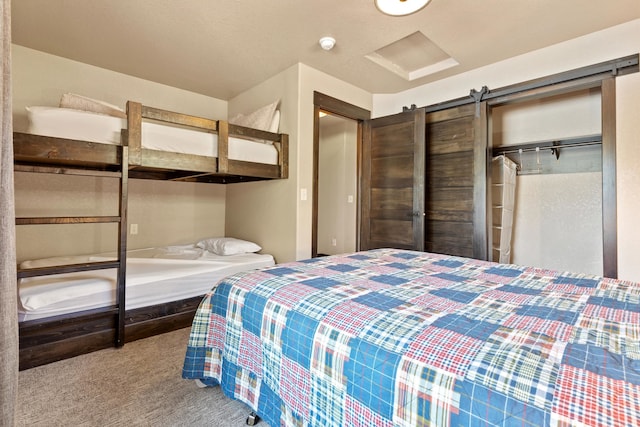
<point x="166" y="212"/>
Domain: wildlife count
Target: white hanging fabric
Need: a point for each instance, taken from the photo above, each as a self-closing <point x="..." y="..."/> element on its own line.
<point x="503" y="194"/>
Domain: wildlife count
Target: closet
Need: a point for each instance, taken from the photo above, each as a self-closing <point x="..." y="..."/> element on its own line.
<point x="426" y="180"/>
<point x="555" y="146"/>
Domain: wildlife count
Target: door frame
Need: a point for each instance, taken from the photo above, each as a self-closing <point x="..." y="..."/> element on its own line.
<point x="334" y="106"/>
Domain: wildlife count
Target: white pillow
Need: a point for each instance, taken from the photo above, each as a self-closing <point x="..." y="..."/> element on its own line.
<point x="275" y="122"/>
<point x="79" y="102"/>
<point x="227" y="246"/>
<point x="261" y="119"/>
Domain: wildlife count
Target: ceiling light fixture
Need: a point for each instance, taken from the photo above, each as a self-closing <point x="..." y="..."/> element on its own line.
<point x="400" y="7"/>
<point x="327" y="43"/>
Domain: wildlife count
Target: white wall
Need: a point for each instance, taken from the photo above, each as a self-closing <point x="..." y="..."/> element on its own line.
<point x="337" y="184"/>
<point x="166" y="212"/>
<point x="555" y="117"/>
<point x="628" y="173"/>
<point x="273" y="210"/>
<point x="601" y="46"/>
<point x="265" y="211"/>
<point x="313" y="80"/>
<point x="558" y="222"/>
<point x="40" y="79"/>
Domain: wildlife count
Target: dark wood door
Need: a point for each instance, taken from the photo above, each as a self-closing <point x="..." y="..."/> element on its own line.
<point x="392" y="182"/>
<point x="456" y="181"/>
<point x="423" y="183"/>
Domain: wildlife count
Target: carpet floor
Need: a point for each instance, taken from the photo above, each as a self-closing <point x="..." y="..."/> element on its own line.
<point x="139" y="384"/>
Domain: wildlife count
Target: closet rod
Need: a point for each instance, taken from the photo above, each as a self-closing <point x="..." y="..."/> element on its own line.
<point x="582" y="141"/>
<point x="526" y="150"/>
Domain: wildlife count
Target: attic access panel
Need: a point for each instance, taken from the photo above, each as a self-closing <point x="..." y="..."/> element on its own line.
<point x="412" y="57"/>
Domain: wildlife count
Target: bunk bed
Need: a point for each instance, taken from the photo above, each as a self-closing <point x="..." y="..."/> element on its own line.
<point x="161" y="144"/>
<point x="404" y="338"/>
<point x="121" y="146"/>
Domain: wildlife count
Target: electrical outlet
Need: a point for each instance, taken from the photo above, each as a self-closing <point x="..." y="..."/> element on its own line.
<point x="334" y="242"/>
<point x="134" y="229"/>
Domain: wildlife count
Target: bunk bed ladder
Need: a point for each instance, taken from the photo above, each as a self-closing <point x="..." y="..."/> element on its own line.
<point x="118" y="310"/>
<point x="122" y="241"/>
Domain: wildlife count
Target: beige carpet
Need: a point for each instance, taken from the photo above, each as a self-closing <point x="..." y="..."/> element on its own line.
<point x="139" y="384"/>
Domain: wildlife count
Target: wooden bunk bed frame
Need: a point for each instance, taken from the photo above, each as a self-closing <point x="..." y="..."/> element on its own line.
<point x="55" y="338"/>
<point x="153" y="164"/>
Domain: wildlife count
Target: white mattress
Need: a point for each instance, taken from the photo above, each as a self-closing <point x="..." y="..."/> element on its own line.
<point x="154" y="276"/>
<point x="86" y="126"/>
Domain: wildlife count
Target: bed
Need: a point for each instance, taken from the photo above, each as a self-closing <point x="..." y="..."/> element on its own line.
<point x="393" y="337"/>
<point x="154" y="276"/>
<point x="163" y="288"/>
<point x="87" y="137"/>
<point x="161" y="144"/>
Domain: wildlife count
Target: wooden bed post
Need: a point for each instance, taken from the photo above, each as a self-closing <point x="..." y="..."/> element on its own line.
<point x="223" y="146"/>
<point x="283" y="156"/>
<point x="134" y="131"/>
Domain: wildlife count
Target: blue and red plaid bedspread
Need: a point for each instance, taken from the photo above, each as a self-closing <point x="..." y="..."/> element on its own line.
<point x="398" y="338"/>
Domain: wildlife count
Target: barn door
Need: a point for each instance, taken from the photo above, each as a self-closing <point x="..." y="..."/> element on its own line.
<point x="456" y="181"/>
<point x="392" y="183"/>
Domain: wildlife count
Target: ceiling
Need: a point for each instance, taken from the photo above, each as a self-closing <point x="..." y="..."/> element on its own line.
<point x="221" y="48"/>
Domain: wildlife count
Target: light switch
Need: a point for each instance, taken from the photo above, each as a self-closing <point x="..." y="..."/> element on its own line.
<point x="303" y="194"/>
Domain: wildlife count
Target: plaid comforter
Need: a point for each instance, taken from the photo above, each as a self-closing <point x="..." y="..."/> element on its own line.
<point x="398" y="338"/>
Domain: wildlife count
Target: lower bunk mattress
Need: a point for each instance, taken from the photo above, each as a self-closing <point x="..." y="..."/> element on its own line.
<point x="399" y="338"/>
<point x="153" y="276"/>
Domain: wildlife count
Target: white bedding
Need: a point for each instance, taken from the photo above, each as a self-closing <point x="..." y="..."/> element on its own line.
<point x="154" y="276"/>
<point x="86" y="126"/>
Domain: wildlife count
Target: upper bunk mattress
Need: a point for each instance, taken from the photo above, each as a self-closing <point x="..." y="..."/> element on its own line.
<point x="154" y="276"/>
<point x="86" y="126"/>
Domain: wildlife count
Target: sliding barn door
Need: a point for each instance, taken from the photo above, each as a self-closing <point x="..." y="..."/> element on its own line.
<point x="456" y="181"/>
<point x="392" y="183"/>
